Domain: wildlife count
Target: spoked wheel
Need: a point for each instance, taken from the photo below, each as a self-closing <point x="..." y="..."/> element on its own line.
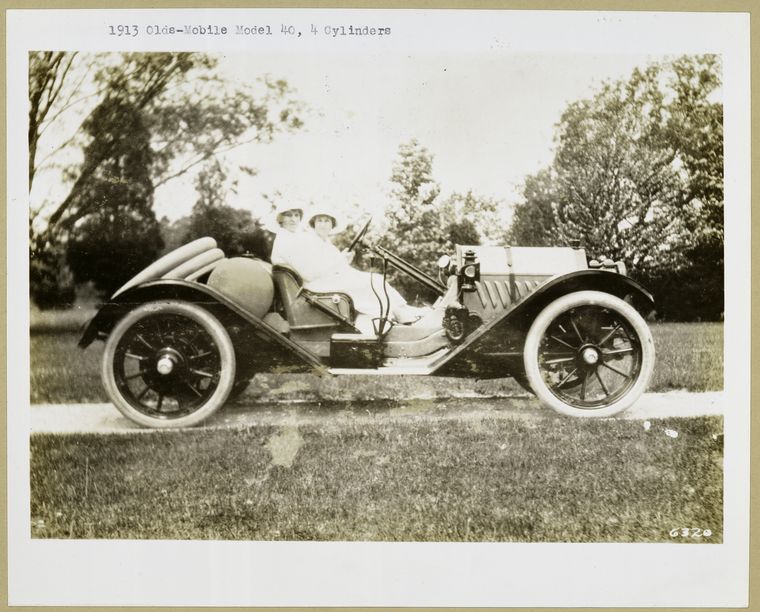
<point x="589" y="354"/>
<point x="168" y="364"/>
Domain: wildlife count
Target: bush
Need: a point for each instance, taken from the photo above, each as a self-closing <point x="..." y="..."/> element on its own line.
<point x="51" y="283"/>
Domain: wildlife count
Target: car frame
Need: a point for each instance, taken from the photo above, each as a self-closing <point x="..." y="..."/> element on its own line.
<point x="190" y="331"/>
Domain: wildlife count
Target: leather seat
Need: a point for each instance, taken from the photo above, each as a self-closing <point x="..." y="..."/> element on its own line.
<point x="308" y="309"/>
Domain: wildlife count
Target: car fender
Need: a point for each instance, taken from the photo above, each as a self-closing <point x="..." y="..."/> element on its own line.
<point x="503" y="336"/>
<point x="606" y="281"/>
<point x="218" y="304"/>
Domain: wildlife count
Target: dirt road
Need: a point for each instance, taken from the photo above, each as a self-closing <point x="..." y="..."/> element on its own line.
<point x="104" y="418"/>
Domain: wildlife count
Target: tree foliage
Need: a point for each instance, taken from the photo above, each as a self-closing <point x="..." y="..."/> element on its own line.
<point x="696" y="127"/>
<point x="115" y="233"/>
<point x="175" y="104"/>
<point x="470" y="219"/>
<point x="112" y="246"/>
<point x="51" y="280"/>
<point x="234" y="229"/>
<point x="414" y="220"/>
<point x="421" y="224"/>
<point x="48" y="72"/>
<point x="533" y="222"/>
<point x="637" y="176"/>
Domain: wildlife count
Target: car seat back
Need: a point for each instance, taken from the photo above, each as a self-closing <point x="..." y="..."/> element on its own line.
<point x="306" y="309"/>
<point x="288" y="284"/>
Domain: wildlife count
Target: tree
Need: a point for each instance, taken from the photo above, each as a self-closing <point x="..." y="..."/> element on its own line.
<point x="189" y="112"/>
<point x="115" y="233"/>
<point x="469" y="218"/>
<point x="112" y="246"/>
<point x="533" y="222"/>
<point x="637" y="176"/>
<point x="173" y="233"/>
<point x="48" y="71"/>
<point x="424" y="225"/>
<point x="51" y="281"/>
<point x="617" y="185"/>
<point x="414" y="219"/>
<point x="234" y="229"/>
<point x="695" y="127"/>
<point x="463" y="232"/>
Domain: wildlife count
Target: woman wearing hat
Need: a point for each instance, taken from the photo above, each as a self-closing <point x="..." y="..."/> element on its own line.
<point x="290" y="237"/>
<point x="324" y="223"/>
<point x="324" y="268"/>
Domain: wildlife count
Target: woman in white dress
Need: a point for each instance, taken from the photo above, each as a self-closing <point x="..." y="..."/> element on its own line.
<point x="324" y="268"/>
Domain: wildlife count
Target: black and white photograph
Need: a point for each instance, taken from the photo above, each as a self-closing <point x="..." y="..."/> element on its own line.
<point x="378" y="307"/>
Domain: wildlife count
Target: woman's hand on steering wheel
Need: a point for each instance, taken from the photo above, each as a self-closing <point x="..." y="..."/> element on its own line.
<point x="358" y="238"/>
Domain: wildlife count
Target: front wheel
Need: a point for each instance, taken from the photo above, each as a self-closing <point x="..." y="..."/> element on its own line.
<point x="168" y="364"/>
<point x="589" y="354"/>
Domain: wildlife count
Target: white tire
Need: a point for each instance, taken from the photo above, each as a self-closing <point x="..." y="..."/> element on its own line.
<point x="589" y="354"/>
<point x="168" y="364"/>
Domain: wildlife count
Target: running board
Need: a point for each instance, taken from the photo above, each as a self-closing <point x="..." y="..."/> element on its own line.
<point x="385" y="371"/>
<point x="395" y="366"/>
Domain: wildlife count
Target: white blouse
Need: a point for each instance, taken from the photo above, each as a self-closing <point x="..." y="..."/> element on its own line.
<point x="309" y="255"/>
<point x="324" y="268"/>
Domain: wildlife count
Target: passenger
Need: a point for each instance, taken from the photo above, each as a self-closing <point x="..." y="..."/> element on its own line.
<point x="324" y="268"/>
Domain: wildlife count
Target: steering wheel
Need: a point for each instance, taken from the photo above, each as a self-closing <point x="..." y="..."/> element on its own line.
<point x="357" y="239"/>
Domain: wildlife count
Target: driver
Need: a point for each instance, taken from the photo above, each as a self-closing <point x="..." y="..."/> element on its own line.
<point x="324" y="268"/>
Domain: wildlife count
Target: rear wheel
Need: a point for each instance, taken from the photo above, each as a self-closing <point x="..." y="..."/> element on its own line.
<point x="168" y="364"/>
<point x="589" y="354"/>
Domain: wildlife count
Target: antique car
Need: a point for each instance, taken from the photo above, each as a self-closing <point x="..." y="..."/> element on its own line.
<point x="190" y="331"/>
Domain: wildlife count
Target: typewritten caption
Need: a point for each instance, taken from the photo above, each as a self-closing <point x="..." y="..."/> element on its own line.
<point x="254" y="30"/>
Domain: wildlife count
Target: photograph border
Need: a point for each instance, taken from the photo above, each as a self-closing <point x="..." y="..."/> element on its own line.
<point x="583" y="5"/>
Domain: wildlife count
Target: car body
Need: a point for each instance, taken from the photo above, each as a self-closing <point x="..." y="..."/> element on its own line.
<point x="190" y="331"/>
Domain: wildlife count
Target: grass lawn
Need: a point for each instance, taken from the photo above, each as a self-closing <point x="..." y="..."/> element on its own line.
<point x="546" y="479"/>
<point x="63" y="373"/>
<point x="689" y="356"/>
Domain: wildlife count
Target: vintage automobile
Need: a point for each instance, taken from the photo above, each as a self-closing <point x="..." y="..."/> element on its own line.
<point x="190" y="331"/>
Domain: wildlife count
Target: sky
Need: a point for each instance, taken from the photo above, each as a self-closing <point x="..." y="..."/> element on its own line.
<point x="481" y="90"/>
<point x="487" y="119"/>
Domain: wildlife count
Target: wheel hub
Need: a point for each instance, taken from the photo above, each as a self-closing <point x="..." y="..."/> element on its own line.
<point x="165" y="365"/>
<point x="590" y="356"/>
<point x="167" y="361"/>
